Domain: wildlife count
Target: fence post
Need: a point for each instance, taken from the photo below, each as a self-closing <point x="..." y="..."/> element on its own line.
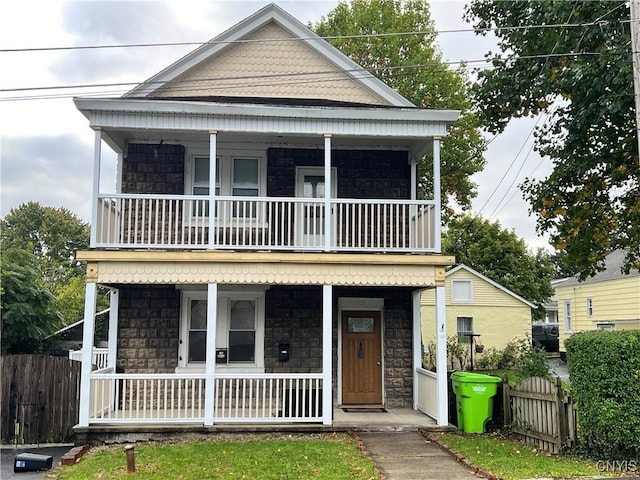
<point x="506" y="401"/>
<point x="562" y="415"/>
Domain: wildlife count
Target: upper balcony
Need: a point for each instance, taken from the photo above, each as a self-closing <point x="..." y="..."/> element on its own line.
<point x="261" y="223"/>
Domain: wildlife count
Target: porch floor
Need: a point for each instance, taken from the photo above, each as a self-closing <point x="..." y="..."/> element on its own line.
<point x="392" y="420"/>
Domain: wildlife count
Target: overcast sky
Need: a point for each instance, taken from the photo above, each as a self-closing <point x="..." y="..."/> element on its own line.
<point x="46" y="146"/>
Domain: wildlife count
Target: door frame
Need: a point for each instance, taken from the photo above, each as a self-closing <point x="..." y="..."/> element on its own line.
<point x="316" y="171"/>
<point x="360" y="304"/>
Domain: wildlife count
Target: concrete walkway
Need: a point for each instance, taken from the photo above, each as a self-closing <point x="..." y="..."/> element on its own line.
<point x="410" y="456"/>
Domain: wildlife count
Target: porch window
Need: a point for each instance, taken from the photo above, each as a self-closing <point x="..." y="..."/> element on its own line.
<point x="239" y="324"/>
<point x="461" y="291"/>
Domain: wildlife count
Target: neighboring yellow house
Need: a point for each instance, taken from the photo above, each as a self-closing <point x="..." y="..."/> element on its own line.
<point x="610" y="300"/>
<point x="477" y="304"/>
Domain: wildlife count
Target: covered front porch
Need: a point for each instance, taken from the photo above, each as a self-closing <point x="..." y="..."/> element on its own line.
<point x="312" y="320"/>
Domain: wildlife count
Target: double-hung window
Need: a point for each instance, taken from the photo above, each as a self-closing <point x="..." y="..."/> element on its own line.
<point x="239" y="330"/>
<point x="237" y="175"/>
<point x="464" y="328"/>
<point x="567" y="316"/>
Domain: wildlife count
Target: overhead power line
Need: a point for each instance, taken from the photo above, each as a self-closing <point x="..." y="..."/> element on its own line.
<point x="330" y="37"/>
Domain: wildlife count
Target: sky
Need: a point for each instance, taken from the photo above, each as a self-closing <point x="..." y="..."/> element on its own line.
<point x="46" y="145"/>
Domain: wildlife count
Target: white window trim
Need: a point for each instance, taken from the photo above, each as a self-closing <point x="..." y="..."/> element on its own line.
<point x="589" y="307"/>
<point x="568" y="316"/>
<point x="222" y="329"/>
<point x="453" y="298"/>
<point x="224" y="161"/>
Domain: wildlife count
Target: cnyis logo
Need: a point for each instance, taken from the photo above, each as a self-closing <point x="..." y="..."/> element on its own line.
<point x="479" y="389"/>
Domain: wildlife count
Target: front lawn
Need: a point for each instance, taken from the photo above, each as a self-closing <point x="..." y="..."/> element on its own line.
<point x="513" y="460"/>
<point x="282" y="457"/>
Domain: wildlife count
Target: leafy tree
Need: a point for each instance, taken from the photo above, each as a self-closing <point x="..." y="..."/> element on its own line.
<point x="574" y="66"/>
<point x="26" y="307"/>
<point x="412" y="64"/>
<point x="501" y="256"/>
<point x="53" y="235"/>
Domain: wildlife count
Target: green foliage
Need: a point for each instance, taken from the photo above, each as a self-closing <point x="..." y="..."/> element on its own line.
<point x="501" y="256"/>
<point x="519" y="355"/>
<point x="53" y="235"/>
<point x="27" y="309"/>
<point x="605" y="380"/>
<point x="413" y="65"/>
<point x="458" y="356"/>
<point x="581" y="79"/>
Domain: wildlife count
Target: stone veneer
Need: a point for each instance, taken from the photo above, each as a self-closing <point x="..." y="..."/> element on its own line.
<point x="149" y="322"/>
<point x="148" y="328"/>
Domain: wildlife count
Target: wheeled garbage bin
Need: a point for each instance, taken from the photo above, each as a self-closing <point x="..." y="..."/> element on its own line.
<point x="474" y="399"/>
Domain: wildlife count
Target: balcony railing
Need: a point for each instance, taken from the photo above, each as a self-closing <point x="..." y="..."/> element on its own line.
<point x="255" y="398"/>
<point x="176" y="221"/>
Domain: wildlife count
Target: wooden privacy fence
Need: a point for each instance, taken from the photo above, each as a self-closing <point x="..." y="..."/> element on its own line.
<point x="40" y="398"/>
<point x="541" y="413"/>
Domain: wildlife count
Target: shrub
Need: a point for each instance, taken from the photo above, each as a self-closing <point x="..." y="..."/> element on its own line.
<point x="457" y="355"/>
<point x="605" y="380"/>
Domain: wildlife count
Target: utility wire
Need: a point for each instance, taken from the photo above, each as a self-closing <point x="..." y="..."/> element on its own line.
<point x="315" y="38"/>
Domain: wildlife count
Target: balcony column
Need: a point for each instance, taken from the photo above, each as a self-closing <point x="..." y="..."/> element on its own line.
<point x="328" y="234"/>
<point x="114" y="302"/>
<point x="441" y="358"/>
<point x="88" y="330"/>
<point x="327" y="357"/>
<point x="213" y="145"/>
<point x="413" y="228"/>
<point x="210" y="368"/>
<point x="437" y="195"/>
<point x="416" y="343"/>
<point x="95" y="187"/>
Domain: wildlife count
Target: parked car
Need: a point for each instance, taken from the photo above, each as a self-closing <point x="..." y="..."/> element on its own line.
<point x="546" y="335"/>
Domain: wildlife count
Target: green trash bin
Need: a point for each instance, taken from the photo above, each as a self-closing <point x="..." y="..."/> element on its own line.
<point x="474" y="399"/>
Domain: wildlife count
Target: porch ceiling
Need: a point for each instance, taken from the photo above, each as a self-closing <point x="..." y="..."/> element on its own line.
<point x="266" y="268"/>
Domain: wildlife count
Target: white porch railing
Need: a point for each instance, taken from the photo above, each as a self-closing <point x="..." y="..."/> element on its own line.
<point x="176" y="221"/>
<point x="255" y="398"/>
<point x="428" y="392"/>
<point x="98" y="357"/>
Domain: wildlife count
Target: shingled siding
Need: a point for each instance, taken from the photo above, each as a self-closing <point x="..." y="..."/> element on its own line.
<point x="153" y="168"/>
<point x="360" y="174"/>
<point x="148" y="328"/>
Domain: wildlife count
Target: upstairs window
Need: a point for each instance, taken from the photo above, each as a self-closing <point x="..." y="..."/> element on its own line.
<point x="567" y="316"/>
<point x="461" y="291"/>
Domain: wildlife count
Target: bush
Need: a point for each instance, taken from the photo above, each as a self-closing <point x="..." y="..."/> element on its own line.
<point x="605" y="380"/>
<point x="519" y="355"/>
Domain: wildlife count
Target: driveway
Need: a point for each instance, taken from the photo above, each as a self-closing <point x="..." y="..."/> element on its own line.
<point x="558" y="368"/>
<point x="8" y="455"/>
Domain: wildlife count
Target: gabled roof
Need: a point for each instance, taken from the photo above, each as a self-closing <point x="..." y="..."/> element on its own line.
<point x="613" y="264"/>
<point x="462" y="266"/>
<point x="244" y="38"/>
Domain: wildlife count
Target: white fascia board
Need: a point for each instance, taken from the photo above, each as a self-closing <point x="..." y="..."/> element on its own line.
<point x="462" y="266"/>
<point x="298" y="30"/>
<point x="162" y="107"/>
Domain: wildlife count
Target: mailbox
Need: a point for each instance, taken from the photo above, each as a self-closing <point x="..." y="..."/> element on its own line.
<point x="32" y="462"/>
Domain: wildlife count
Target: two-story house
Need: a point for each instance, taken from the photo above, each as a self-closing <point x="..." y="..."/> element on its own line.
<point x="265" y="246"/>
<point x="609" y="300"/>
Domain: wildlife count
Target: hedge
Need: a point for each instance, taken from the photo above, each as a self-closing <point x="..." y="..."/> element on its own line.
<point x="604" y="368"/>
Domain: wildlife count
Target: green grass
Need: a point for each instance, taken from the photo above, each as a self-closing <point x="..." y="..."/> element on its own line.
<point x="334" y="456"/>
<point x="513" y="460"/>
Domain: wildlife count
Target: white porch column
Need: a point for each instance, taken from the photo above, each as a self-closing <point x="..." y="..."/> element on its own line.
<point x="327" y="357"/>
<point x="417" y="343"/>
<point x="213" y="152"/>
<point x="114" y="301"/>
<point x="87" y="352"/>
<point x="328" y="234"/>
<point x="95" y="188"/>
<point x="441" y="357"/>
<point x="210" y="369"/>
<point x="437" y="195"/>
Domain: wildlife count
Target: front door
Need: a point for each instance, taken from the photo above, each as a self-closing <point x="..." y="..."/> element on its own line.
<point x="361" y="358"/>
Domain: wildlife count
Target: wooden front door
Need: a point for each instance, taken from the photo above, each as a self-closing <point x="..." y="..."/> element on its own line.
<point x="361" y="358"/>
